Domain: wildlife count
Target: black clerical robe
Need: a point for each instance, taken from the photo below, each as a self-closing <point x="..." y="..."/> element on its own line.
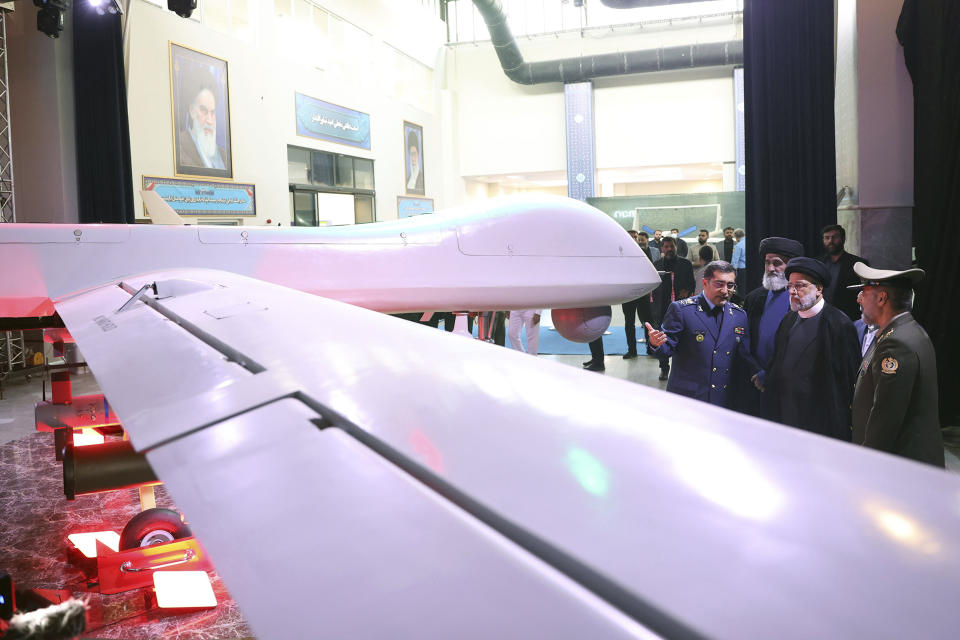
<point x="815" y="394"/>
<point x="746" y="398"/>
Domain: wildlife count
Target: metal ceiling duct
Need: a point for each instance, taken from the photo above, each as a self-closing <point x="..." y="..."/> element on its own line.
<point x="710" y="54"/>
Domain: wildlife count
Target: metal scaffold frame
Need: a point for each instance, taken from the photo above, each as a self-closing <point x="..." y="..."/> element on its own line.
<point x="7" y="210"/>
<point x="13" y="354"/>
<point x="12" y="349"/>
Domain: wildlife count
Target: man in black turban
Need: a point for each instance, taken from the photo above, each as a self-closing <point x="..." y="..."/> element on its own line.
<point x="765" y="306"/>
<point x="816" y="353"/>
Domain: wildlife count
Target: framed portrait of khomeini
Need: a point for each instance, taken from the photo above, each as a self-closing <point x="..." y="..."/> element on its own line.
<point x="200" y="105"/>
<point x="413" y="158"/>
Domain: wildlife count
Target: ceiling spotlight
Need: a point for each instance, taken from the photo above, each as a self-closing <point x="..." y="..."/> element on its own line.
<point x="182" y="8"/>
<point x="50" y="16"/>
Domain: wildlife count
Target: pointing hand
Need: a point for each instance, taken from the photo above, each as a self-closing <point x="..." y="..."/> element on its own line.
<point x="656" y="338"/>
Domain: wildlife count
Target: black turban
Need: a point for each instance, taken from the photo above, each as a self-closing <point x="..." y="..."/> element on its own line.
<point x="782" y="246"/>
<point x="814" y="269"/>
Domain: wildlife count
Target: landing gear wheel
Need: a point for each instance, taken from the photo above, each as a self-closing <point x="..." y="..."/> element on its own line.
<point x="153" y="526"/>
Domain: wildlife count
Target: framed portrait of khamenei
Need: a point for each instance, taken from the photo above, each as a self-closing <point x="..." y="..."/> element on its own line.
<point x="200" y="107"/>
<point x="413" y="158"/>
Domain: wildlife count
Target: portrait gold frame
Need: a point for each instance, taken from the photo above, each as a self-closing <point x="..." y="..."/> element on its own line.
<point x="221" y="175"/>
<point x="406" y="160"/>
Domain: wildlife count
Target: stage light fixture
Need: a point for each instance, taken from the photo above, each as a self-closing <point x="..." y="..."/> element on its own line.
<point x="50" y="16"/>
<point x="182" y="8"/>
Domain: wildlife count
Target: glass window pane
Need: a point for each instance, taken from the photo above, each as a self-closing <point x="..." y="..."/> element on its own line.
<point x="344" y="171"/>
<point x="363" y="173"/>
<point x="322" y="169"/>
<point x="304" y="209"/>
<point x="363" y="209"/>
<point x="298" y="163"/>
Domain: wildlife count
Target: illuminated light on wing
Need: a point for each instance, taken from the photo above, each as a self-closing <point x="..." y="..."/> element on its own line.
<point x="720" y="470"/>
<point x="903" y="529"/>
<point x="589" y="471"/>
<point x="426" y="450"/>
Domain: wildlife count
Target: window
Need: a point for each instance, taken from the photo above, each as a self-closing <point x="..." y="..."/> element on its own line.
<point x="363" y="173"/>
<point x="327" y="177"/>
<point x="345" y="171"/>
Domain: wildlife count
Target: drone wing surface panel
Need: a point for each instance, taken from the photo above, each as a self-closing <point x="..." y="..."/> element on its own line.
<point x="646" y="510"/>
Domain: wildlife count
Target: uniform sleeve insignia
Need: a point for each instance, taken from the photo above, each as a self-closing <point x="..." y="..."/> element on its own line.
<point x="687" y="301"/>
<point x="889" y="365"/>
<point x="738" y="330"/>
<point x="734" y="305"/>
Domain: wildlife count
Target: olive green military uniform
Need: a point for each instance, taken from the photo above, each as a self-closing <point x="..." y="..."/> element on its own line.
<point x="895" y="399"/>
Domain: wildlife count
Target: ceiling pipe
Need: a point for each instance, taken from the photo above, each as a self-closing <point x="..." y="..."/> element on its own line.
<point x="711" y="54"/>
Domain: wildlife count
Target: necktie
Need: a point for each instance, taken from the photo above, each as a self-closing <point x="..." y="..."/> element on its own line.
<point x="868" y="337"/>
<point x="867" y="358"/>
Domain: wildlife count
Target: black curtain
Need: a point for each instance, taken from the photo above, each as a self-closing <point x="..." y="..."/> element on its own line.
<point x="104" y="178"/>
<point x="788" y="115"/>
<point x="930" y="33"/>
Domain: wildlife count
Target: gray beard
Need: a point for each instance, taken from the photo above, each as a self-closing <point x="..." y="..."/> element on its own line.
<point x="206" y="144"/>
<point x="775" y="281"/>
<point x="805" y="303"/>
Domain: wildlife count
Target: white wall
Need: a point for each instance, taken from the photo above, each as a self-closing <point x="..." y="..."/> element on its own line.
<point x="656" y="119"/>
<point x="658" y="188"/>
<point x="262" y="85"/>
<point x="673" y="118"/>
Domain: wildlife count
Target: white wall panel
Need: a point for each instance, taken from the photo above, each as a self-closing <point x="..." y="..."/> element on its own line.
<point x="667" y="123"/>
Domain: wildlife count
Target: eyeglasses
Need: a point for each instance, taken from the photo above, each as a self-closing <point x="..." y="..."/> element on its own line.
<point x="797" y="286"/>
<point x="720" y="284"/>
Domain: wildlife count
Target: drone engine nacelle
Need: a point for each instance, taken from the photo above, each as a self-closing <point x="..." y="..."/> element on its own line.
<point x="581" y="325"/>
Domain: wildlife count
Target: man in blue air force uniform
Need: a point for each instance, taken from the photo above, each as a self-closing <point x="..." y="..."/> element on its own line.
<point x="704" y="334"/>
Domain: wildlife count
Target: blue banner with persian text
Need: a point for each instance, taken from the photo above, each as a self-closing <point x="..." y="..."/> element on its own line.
<point x="325" y="121"/>
<point x="204" y="197"/>
<point x="407" y="207"/>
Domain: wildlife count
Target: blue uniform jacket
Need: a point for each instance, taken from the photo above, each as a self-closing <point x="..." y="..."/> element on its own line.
<point x="703" y="355"/>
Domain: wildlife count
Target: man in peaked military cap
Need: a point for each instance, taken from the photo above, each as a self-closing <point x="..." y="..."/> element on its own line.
<point x="815" y="357"/>
<point x="704" y="334"/>
<point x="895" y="401"/>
